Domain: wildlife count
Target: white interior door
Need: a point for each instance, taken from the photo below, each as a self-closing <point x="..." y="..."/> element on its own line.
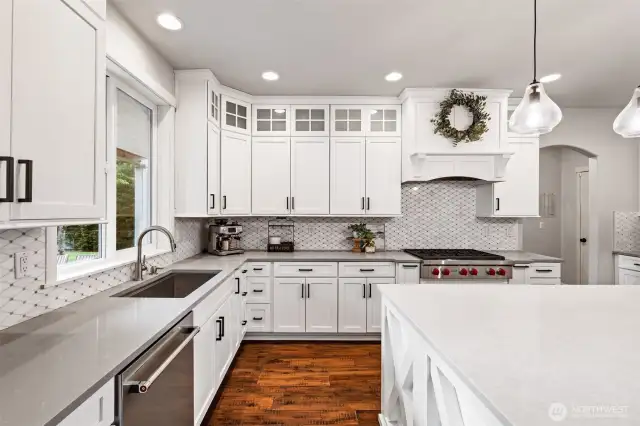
<point x="309" y="175"/>
<point x="235" y="173"/>
<point x="583" y="227"/>
<point x="348" y="175"/>
<point x="374" y="304"/>
<point x="271" y="176"/>
<point x="61" y="68"/>
<point x="322" y="305"/>
<point x="213" y="169"/>
<point x="289" y="305"/>
<point x="352" y="305"/>
<point x="383" y="176"/>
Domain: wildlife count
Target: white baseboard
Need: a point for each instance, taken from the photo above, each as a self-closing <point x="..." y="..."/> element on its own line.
<point x="313" y="337"/>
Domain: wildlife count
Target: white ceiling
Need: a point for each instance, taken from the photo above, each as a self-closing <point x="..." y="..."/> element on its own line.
<point x="346" y="47"/>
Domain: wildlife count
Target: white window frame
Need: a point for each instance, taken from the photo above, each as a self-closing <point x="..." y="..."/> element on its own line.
<point x="112" y="257"/>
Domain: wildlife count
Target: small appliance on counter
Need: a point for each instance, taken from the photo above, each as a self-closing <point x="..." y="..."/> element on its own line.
<point x="224" y="239"/>
<point x="280" y="235"/>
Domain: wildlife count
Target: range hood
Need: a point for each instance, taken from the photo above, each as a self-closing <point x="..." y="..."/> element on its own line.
<point x="427" y="156"/>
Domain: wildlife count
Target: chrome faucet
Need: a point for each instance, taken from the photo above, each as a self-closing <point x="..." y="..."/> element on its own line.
<point x="140" y="263"/>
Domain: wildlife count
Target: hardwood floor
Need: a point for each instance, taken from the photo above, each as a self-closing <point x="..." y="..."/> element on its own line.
<point x="301" y="384"/>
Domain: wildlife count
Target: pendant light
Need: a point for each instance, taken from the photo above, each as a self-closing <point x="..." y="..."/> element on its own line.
<point x="537" y="113"/>
<point x="627" y="123"/>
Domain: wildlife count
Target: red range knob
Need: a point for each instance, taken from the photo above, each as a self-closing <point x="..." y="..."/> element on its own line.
<point x="435" y="272"/>
<point x="502" y="272"/>
<point x="446" y="271"/>
<point x="463" y="271"/>
<point x="491" y="271"/>
<point x="474" y="271"/>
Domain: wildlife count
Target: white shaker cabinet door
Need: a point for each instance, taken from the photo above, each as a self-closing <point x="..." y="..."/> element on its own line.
<point x="58" y="110"/>
<point x="347" y="176"/>
<point x="628" y="277"/>
<point x="374" y="303"/>
<point x="5" y="104"/>
<point x="309" y="175"/>
<point x="235" y="176"/>
<point x="383" y="176"/>
<point x="352" y="304"/>
<point x="271" y="176"/>
<point x="289" y="305"/>
<point x="408" y="273"/>
<point x="322" y="305"/>
<point x="213" y="169"/>
<point x="203" y="366"/>
<point x="223" y="352"/>
<point x="97" y="410"/>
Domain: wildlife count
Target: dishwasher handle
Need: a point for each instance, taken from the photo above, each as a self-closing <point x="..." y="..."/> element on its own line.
<point x="142" y="386"/>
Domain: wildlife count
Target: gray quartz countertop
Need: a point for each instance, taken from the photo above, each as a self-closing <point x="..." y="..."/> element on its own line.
<point x="627" y="253"/>
<point x="521" y="349"/>
<point x="49" y="365"/>
<point x="519" y="256"/>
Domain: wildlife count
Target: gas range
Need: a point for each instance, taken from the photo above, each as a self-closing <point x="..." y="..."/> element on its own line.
<point x="461" y="265"/>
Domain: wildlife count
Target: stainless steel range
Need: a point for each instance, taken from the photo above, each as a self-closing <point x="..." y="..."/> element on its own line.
<point x="462" y="265"/>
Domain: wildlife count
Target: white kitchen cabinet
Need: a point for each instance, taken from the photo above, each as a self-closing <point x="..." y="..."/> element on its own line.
<point x="408" y="273"/>
<point x="352" y="304"/>
<point x="61" y="66"/>
<point x="271" y="176"/>
<point x="271" y="120"/>
<point x="384" y="120"/>
<point x="383" y="176"/>
<point x="97" y="410"/>
<point x="204" y="376"/>
<point x="236" y="315"/>
<point x="224" y="350"/>
<point x="348" y="176"/>
<point x="213" y="169"/>
<point x="259" y="289"/>
<point x="309" y="120"/>
<point x="518" y="195"/>
<point x="348" y="120"/>
<point x="289" y="305"/>
<point x="259" y="317"/>
<point x="519" y="274"/>
<point x="6" y="21"/>
<point x="244" y="293"/>
<point x="322" y="305"/>
<point x="235" y="175"/>
<point x="628" y="277"/>
<point x="374" y="303"/>
<point x="236" y="115"/>
<point x="537" y="273"/>
<point x="213" y="103"/>
<point x="310" y="175"/>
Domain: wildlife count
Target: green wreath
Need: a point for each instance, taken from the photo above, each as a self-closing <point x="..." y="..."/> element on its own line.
<point x="475" y="104"/>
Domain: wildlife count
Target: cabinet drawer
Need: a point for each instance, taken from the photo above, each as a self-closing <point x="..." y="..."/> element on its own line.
<point x="367" y="269"/>
<point x="297" y="269"/>
<point x="259" y="289"/>
<point x="628" y="262"/>
<point x="259" y="317"/>
<point x="203" y="311"/>
<point x="258" y="269"/>
<point x="545" y="270"/>
<point x="544" y="281"/>
<point x="98" y="410"/>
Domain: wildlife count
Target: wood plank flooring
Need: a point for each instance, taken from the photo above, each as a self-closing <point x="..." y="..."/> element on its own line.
<point x="301" y="384"/>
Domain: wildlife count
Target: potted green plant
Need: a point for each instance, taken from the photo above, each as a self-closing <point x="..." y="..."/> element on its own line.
<point x="369" y="241"/>
<point x="357" y="229"/>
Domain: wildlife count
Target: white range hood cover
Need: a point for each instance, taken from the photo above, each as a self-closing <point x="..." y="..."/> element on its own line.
<point x="487" y="166"/>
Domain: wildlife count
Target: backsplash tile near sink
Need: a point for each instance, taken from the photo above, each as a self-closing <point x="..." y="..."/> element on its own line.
<point x="626" y="231"/>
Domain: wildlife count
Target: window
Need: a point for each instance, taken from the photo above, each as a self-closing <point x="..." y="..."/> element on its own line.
<point x="131" y="124"/>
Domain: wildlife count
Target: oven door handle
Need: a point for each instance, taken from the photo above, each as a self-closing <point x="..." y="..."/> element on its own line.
<point x="142" y="386"/>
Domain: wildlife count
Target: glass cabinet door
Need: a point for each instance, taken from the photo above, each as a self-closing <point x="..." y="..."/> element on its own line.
<point x="384" y="120"/>
<point x="310" y="120"/>
<point x="271" y="120"/>
<point x="347" y="120"/>
<point x="236" y="115"/>
<point x="213" y="104"/>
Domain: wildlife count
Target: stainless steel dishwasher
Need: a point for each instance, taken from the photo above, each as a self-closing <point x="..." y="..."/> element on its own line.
<point x="157" y="388"/>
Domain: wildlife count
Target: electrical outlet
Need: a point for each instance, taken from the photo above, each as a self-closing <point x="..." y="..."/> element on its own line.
<point x="542" y="224"/>
<point x="21" y="264"/>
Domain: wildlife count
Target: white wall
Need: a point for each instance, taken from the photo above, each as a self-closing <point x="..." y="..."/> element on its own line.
<point x="127" y="48"/>
<point x="543" y="235"/>
<point x="617" y="185"/>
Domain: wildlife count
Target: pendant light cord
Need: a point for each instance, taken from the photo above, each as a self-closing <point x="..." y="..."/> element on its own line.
<point x="535" y="40"/>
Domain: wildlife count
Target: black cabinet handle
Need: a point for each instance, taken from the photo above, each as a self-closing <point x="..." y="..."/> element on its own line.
<point x="305" y="270"/>
<point x="238" y="286"/>
<point x="10" y="183"/>
<point x="244" y="322"/>
<point x="257" y="318"/>
<point x="293" y="203"/>
<point x="362" y="203"/>
<point x="409" y="266"/>
<point x="302" y="285"/>
<point x="244" y="271"/>
<point x="257" y="269"/>
<point x="213" y="201"/>
<point x="520" y="266"/>
<point x="219" y="336"/>
<point x="287" y="203"/>
<point x="222" y="326"/>
<point x="367" y="270"/>
<point x="544" y="270"/>
<point x="244" y="293"/>
<point x="637" y="264"/>
<point x="258" y="291"/>
<point x="28" y="192"/>
<point x="497" y="204"/>
<point x="364" y="291"/>
<point x="224" y="202"/>
<point x="308" y="291"/>
<point x="368" y="203"/>
<point x="369" y="291"/>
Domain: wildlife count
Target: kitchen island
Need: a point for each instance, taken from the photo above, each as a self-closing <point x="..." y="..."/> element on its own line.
<point x="510" y="355"/>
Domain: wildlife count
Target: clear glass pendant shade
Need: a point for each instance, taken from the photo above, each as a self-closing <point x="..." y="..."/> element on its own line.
<point x="536" y="114"/>
<point x="627" y="123"/>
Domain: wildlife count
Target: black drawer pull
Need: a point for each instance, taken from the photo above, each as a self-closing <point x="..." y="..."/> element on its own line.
<point x="258" y="291"/>
<point x="222" y="322"/>
<point x="238" y="287"/>
<point x="219" y="336"/>
<point x="637" y="264"/>
<point x="244" y="271"/>
<point x="367" y="270"/>
<point x="520" y="266"/>
<point x="8" y="198"/>
<point x="409" y="266"/>
<point x="224" y="202"/>
<point x="213" y="201"/>
<point x="257" y="318"/>
<point x="244" y="322"/>
<point x="302" y="285"/>
<point x="364" y="291"/>
<point x="305" y="270"/>
<point x="257" y="269"/>
<point x="369" y="291"/>
<point x="244" y="293"/>
<point x="28" y="180"/>
<point x="544" y="270"/>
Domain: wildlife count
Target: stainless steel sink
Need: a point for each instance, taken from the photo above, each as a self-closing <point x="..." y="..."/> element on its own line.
<point x="174" y="285"/>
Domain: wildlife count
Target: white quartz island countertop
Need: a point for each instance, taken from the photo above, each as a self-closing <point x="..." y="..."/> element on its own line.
<point x="524" y="349"/>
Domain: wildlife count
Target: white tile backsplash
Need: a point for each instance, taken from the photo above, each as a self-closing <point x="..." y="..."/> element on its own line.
<point x="626" y="231"/>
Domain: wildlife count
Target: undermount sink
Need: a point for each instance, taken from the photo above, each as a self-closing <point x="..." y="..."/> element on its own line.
<point x="174" y="285"/>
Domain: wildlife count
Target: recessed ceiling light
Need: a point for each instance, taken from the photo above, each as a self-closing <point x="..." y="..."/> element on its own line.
<point x="169" y="22"/>
<point x="551" y="77"/>
<point x="270" y="75"/>
<point x="393" y="76"/>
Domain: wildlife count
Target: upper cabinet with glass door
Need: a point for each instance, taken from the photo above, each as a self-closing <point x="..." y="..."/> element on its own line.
<point x="348" y="120"/>
<point x="384" y="120"/>
<point x="236" y="115"/>
<point x="213" y="103"/>
<point x="271" y="120"/>
<point x="310" y="120"/>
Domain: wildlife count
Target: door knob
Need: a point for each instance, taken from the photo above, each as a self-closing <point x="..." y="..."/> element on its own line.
<point x="583" y="240"/>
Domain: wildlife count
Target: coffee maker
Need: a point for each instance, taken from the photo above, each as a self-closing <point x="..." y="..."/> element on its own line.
<point x="224" y="239"/>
